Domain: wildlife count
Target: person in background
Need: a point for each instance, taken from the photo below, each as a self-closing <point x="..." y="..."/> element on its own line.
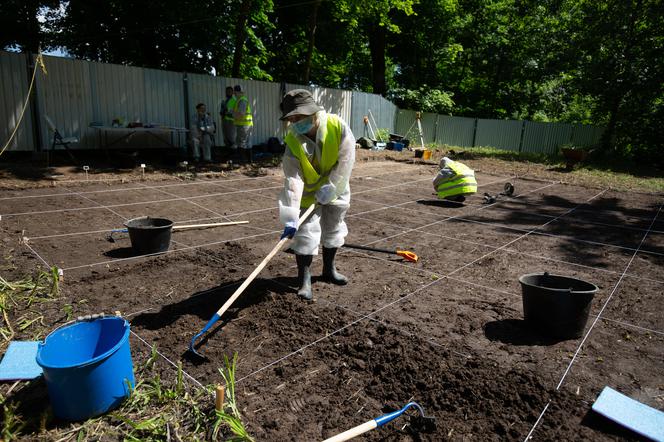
<point x="226" y="113"/>
<point x="454" y="181"/>
<point x="202" y="133"/>
<point x="243" y="121"/>
<point x="317" y="165"/>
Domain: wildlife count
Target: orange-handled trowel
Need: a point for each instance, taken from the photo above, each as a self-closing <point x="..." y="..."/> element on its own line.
<point x="408" y="256"/>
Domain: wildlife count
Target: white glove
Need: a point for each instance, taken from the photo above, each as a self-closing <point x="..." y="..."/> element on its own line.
<point x="326" y="193"/>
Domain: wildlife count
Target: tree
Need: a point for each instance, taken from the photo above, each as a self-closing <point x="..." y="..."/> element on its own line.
<point x="620" y="52"/>
<point x="20" y="25"/>
<point x="374" y="21"/>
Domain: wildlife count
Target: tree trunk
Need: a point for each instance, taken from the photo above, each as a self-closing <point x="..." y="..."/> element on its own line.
<point x="608" y="135"/>
<point x="377" y="35"/>
<point x="240" y="37"/>
<point x="313" y="20"/>
<point x="33" y="32"/>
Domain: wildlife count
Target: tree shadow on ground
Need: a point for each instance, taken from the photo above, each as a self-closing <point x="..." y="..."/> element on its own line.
<point x="568" y="229"/>
<point x="516" y="332"/>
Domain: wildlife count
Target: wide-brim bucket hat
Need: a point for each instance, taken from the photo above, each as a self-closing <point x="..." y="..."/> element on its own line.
<point x="298" y="102"/>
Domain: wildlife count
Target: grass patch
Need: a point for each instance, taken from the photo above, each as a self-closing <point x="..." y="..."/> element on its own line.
<point x="20" y="304"/>
<point x="157" y="410"/>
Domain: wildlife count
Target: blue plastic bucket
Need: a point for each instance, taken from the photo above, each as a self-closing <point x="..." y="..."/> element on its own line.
<point x="87" y="367"/>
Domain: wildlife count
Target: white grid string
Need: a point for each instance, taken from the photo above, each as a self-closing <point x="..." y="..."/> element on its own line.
<point x="402" y="299"/>
<point x="592" y="325"/>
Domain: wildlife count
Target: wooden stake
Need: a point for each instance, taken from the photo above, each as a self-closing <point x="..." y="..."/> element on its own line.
<point x="219" y="398"/>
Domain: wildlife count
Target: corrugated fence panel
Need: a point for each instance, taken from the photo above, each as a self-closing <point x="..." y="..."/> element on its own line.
<point x="455" y="131"/>
<point x="264" y="98"/>
<point x="429" y="122"/>
<point x="65" y="96"/>
<point x="13" y="93"/>
<point x="382" y="110"/>
<point x="336" y="101"/>
<point x="210" y="91"/>
<point x="164" y="98"/>
<point x="501" y="134"/>
<point x="118" y="92"/>
<point x="545" y="137"/>
<point x="403" y="124"/>
<point x="584" y="135"/>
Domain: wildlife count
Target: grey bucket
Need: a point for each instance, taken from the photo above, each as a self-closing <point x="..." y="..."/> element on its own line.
<point x="557" y="306"/>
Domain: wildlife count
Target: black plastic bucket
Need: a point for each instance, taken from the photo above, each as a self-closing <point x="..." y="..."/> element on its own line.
<point x="149" y="235"/>
<point x="557" y="306"/>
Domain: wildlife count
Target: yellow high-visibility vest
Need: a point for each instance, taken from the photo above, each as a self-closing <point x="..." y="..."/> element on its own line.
<point x="247" y="119"/>
<point x="315" y="175"/>
<point x="230" y="107"/>
<point x="462" y="183"/>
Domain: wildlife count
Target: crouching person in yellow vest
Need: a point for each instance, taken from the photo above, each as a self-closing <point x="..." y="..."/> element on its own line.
<point x="454" y="181"/>
<point x="317" y="165"/>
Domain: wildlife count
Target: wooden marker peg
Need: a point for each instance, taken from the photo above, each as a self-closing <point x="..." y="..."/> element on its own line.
<point x="219" y="398"/>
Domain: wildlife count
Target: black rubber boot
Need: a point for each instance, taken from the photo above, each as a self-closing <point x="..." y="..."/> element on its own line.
<point x="304" y="276"/>
<point x="330" y="273"/>
<point x="248" y="156"/>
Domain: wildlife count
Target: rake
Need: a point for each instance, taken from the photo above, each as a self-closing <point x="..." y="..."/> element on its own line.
<point x="245" y="284"/>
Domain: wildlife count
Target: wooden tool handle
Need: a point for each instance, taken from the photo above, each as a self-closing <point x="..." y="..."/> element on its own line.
<point x="262" y="265"/>
<point x="194" y="226"/>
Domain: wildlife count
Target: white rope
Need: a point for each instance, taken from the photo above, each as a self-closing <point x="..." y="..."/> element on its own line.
<point x="37" y="255"/>
<point x="492" y="289"/>
<point x="592" y="325"/>
<point x="168" y="360"/>
<point x="403" y="298"/>
<point x="197" y="246"/>
<point x="518" y="252"/>
<point x="219" y="182"/>
<point x="76" y="209"/>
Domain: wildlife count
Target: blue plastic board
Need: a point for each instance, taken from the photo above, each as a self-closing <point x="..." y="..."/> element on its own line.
<point x="20" y="361"/>
<point x="638" y="417"/>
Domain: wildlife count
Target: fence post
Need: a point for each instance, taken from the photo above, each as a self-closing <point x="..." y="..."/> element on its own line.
<point x="474" y="132"/>
<point x="523" y="130"/>
<point x="34" y="104"/>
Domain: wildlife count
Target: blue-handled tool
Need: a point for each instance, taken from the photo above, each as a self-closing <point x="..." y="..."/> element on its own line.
<point x="427" y="425"/>
<point x="245" y="284"/>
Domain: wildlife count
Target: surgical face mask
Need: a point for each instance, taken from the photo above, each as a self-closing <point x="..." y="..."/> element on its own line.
<point x="303" y="126"/>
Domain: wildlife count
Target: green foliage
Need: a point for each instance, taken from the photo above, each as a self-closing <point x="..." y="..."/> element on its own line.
<point x="19" y="304"/>
<point x="577" y="61"/>
<point x="232" y="420"/>
<point x="423" y="99"/>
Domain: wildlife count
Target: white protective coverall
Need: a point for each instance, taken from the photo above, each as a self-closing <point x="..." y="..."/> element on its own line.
<point x="327" y="221"/>
<point x="202" y="131"/>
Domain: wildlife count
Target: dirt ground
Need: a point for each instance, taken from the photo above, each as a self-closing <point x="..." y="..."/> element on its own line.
<point x="447" y="331"/>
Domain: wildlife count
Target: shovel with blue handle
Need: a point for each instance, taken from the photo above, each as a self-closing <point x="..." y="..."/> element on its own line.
<point x="245" y="284"/>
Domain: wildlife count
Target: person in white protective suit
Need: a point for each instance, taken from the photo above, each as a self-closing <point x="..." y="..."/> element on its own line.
<point x="202" y="133"/>
<point x="317" y="165"/>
